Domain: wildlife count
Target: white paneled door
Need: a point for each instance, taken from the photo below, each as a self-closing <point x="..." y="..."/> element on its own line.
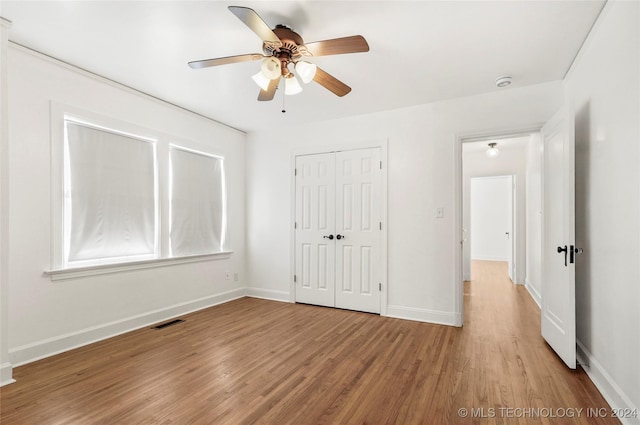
<point x="558" y="232"/>
<point x="338" y="229"/>
<point x="315" y="225"/>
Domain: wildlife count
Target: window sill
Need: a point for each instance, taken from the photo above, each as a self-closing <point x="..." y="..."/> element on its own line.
<point x="86" y="271"/>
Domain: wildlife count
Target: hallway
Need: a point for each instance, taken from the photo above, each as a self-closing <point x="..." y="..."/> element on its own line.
<point x="511" y="364"/>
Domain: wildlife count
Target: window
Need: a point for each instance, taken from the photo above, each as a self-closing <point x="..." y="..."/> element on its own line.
<point x="110" y="208"/>
<point x="126" y="196"/>
<point x="197" y="202"/>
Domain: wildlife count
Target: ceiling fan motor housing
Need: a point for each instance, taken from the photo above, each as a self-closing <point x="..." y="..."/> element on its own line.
<point x="289" y="51"/>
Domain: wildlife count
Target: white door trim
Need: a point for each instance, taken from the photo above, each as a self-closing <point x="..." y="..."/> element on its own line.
<point x="458" y="139"/>
<point x="382" y="145"/>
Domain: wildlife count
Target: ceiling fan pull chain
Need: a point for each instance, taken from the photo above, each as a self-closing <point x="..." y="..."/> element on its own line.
<point x="283" y="97"/>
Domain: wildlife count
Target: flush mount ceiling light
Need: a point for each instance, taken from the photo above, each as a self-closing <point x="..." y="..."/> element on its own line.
<point x="503" y="81"/>
<point x="492" y="152"/>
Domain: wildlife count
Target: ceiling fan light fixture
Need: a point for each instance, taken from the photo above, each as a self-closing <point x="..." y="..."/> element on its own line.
<point x="261" y="80"/>
<point x="271" y="68"/>
<point x="291" y="85"/>
<point x="306" y="71"/>
<point x="492" y="152"/>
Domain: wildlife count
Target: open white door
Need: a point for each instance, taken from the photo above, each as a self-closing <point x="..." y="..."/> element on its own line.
<point x="558" y="237"/>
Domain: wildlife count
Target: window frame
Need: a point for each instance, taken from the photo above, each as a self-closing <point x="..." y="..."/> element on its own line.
<point x="60" y="269"/>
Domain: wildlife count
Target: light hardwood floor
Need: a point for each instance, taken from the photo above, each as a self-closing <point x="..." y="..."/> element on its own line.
<point x="264" y="362"/>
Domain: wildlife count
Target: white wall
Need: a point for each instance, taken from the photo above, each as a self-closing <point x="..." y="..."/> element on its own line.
<point x="46" y="316"/>
<point x="6" y="370"/>
<point x="511" y="161"/>
<point x="604" y="89"/>
<point x="421" y="177"/>
<point x="533" y="194"/>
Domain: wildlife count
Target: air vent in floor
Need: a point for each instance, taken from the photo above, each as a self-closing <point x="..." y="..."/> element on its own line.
<point x="164" y="325"/>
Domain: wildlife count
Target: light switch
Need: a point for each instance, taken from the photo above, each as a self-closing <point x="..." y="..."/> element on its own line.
<point x="440" y="212"/>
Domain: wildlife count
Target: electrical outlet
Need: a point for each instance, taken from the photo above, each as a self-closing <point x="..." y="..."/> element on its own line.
<point x="227" y="275"/>
<point x="236" y="277"/>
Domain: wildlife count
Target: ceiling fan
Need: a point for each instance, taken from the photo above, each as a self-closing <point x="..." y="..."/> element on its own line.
<point x="282" y="47"/>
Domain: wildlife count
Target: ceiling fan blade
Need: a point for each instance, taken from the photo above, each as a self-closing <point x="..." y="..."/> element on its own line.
<point x="226" y="60"/>
<point x="331" y="83"/>
<point x="270" y="92"/>
<point x="255" y="23"/>
<point x="337" y="46"/>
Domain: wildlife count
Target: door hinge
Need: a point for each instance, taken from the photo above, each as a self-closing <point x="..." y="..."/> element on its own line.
<point x="295" y="279"/>
<point x="295" y="171"/>
<point x="295" y="224"/>
<point x="381" y="165"/>
<point x="380" y="287"/>
<point x="380" y="225"/>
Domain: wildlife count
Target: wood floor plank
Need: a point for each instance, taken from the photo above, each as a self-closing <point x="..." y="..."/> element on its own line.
<point x="254" y="361"/>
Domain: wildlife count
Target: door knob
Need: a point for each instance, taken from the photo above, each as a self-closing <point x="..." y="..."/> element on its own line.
<point x="560" y="249"/>
<point x="330" y="237"/>
<point x="340" y="237"/>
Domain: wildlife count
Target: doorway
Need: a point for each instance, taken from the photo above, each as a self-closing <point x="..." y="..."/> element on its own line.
<point x="338" y="258"/>
<point x="516" y="149"/>
<point x="491" y="230"/>
<point x="550" y="165"/>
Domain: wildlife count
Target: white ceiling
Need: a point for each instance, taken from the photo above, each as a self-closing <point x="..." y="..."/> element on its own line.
<point x="421" y="51"/>
<point x="510" y="143"/>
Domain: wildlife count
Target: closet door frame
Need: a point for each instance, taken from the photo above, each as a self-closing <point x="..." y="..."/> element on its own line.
<point x="338" y="147"/>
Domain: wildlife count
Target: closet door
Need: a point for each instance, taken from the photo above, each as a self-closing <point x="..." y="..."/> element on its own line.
<point x="315" y="225"/>
<point x="337" y="229"/>
<point x="358" y="233"/>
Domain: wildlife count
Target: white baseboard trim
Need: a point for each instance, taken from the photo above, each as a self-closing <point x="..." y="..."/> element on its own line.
<point x="6" y="374"/>
<point x="268" y="294"/>
<point x="532" y="291"/>
<point x="52" y="346"/>
<point x="424" y="315"/>
<point x="611" y="392"/>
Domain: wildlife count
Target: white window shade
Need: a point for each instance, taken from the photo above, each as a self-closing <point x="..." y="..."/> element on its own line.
<point x="110" y="202"/>
<point x="197" y="203"/>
